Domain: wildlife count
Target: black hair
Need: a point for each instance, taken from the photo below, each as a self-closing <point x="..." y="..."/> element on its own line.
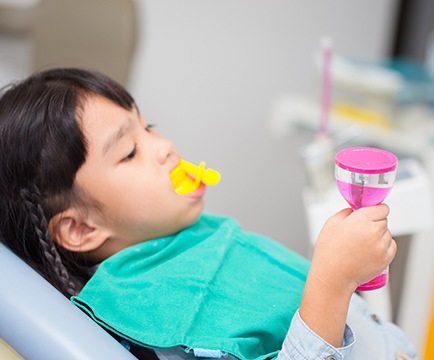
<point x="41" y="149"/>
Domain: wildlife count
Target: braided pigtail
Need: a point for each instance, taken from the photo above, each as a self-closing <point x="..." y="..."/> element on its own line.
<point x="62" y="280"/>
<point x="41" y="149"/>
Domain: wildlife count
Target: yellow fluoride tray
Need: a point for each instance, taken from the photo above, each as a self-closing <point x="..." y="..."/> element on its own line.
<point x="187" y="177"/>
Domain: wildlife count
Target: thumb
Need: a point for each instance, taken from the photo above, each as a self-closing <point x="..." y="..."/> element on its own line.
<point x="340" y="215"/>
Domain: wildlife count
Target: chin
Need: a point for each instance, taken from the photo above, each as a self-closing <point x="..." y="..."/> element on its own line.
<point x="193" y="218"/>
<point x="196" y="218"/>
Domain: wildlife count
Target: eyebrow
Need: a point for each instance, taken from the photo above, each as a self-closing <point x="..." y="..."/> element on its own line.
<point x="116" y="136"/>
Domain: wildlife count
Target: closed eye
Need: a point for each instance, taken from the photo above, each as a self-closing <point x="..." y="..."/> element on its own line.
<point x="149" y="127"/>
<point x="131" y="155"/>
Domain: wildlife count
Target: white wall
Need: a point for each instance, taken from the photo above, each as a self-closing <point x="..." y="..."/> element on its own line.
<point x="207" y="72"/>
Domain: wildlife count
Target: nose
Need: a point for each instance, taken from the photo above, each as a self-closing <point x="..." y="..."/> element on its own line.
<point x="165" y="149"/>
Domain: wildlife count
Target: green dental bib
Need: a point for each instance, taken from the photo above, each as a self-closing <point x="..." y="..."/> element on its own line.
<point x="210" y="286"/>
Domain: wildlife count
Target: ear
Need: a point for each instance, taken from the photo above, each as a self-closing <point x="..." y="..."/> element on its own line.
<point x="74" y="231"/>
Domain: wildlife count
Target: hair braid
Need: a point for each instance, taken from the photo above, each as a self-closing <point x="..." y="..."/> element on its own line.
<point x="40" y="119"/>
<point x="31" y="199"/>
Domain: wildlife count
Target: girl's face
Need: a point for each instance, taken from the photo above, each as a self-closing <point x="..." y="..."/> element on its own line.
<point x="127" y="172"/>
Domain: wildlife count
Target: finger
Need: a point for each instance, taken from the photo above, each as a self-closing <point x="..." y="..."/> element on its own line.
<point x="342" y="214"/>
<point x="392" y="249"/>
<point x="389" y="246"/>
<point x="377" y="212"/>
<point x="382" y="224"/>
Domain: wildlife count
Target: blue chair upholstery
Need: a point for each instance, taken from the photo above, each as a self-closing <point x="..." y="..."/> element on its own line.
<point x="40" y="323"/>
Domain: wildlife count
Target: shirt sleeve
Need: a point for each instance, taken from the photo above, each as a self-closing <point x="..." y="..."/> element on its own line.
<point x="302" y="343"/>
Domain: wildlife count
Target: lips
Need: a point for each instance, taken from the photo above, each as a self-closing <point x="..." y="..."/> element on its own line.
<point x="197" y="193"/>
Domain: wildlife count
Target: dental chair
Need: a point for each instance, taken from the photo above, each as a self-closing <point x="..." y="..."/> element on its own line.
<point x="38" y="322"/>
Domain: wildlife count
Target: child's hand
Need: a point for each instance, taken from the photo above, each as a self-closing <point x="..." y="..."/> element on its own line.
<point x="353" y="247"/>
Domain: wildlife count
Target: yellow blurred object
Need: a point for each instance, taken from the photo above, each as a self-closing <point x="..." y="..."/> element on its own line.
<point x="363" y="117"/>
<point x="429" y="349"/>
<point x="187" y="177"/>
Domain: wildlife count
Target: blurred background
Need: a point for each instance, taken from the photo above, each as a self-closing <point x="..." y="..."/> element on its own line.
<point x="237" y="84"/>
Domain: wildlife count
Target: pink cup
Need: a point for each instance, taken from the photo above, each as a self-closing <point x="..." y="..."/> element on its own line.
<point x="364" y="177"/>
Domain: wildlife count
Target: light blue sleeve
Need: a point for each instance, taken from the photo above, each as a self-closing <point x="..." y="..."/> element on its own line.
<point x="376" y="339"/>
<point x="302" y="343"/>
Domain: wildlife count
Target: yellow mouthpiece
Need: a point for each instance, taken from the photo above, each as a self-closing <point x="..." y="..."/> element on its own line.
<point x="187" y="177"/>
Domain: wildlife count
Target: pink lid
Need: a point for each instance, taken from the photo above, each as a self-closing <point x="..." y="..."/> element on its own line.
<point x="366" y="160"/>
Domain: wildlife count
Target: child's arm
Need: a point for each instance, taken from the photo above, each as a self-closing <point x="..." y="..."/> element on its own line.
<point x="352" y="248"/>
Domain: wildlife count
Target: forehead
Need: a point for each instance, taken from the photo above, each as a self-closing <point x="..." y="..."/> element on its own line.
<point x="98" y="109"/>
<point x="100" y="116"/>
<point x="103" y="122"/>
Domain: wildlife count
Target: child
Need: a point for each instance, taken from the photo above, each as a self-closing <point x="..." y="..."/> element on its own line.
<point x="85" y="184"/>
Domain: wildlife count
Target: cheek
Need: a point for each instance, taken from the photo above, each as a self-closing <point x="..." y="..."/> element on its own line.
<point x="156" y="202"/>
<point x="148" y="198"/>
